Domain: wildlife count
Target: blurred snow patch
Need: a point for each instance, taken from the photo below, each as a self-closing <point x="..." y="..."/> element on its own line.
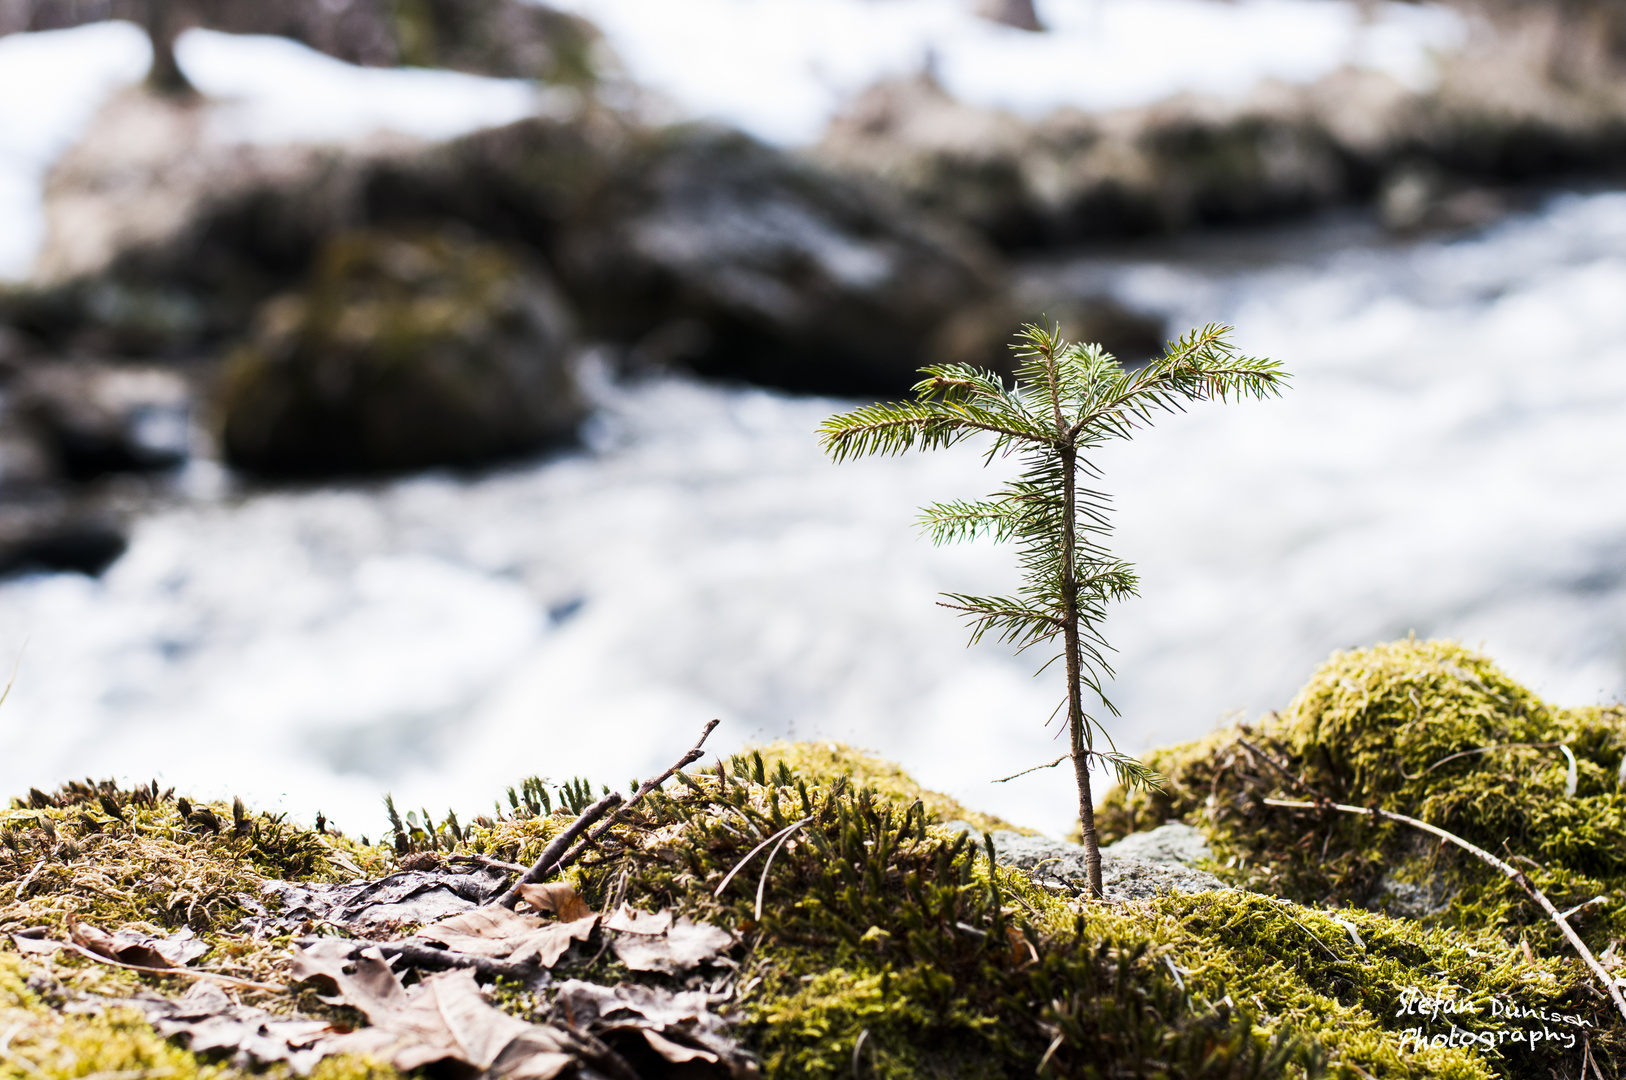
<point x="780" y="70"/>
<point x="268" y="90"/>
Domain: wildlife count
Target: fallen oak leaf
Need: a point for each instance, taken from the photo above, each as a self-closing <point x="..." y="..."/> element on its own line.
<point x="496" y="931"/>
<point x="558" y="898"/>
<point x="444" y="1017"/>
<point x="686" y="945"/>
<point x="630" y="920"/>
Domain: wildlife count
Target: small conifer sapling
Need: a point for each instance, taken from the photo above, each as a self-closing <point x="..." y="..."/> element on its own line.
<point x="1066" y="400"/>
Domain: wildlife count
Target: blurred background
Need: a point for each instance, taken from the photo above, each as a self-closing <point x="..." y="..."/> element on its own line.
<point x="415" y="395"/>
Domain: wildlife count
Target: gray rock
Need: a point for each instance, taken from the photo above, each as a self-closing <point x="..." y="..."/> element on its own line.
<point x="1413" y="900"/>
<point x="1173" y="843"/>
<point x="1123" y="877"/>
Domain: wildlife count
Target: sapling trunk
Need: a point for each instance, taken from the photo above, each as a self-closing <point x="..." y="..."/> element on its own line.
<point x="1066" y="400"/>
<point x="1077" y="734"/>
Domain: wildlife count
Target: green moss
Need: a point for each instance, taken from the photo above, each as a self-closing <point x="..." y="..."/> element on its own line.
<point x="43" y="1043"/>
<point x="827" y="760"/>
<point x="1429" y="729"/>
<point x="886" y="938"/>
<point x="879" y="926"/>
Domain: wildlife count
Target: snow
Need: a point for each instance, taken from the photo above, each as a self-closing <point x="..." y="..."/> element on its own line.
<point x="781" y="69"/>
<point x="268" y="90"/>
<point x="776" y="68"/>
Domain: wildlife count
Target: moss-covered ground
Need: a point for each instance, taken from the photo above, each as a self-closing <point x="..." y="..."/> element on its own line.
<point x="880" y="944"/>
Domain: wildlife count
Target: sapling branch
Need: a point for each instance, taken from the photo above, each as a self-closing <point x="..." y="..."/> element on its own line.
<point x="1507" y="871"/>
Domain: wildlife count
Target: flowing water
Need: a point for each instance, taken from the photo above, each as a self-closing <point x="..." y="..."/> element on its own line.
<point x="1448" y="460"/>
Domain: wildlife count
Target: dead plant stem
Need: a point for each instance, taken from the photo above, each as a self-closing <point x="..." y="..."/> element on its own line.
<point x="1486" y="857"/>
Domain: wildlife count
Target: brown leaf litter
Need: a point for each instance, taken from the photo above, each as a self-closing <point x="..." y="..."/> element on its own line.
<point x="678" y="1027"/>
<point x="442" y="1017"/>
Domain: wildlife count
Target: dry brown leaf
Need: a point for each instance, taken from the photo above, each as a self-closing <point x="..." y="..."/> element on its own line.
<point x="558" y="898"/>
<point x="674" y="1053"/>
<point x="371" y="987"/>
<point x="442" y="1017"/>
<point x="632" y="921"/>
<point x="686" y="1029"/>
<point x="211" y="1021"/>
<point x="138" y="948"/>
<point x="496" y="932"/>
<point x="686" y="945"/>
<point x="33" y="946"/>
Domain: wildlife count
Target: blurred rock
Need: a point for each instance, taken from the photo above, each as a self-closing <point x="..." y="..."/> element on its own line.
<point x="402" y="351"/>
<point x="1538" y="91"/>
<point x="507" y="38"/>
<point x="49" y="534"/>
<point x="745" y="263"/>
<point x="94" y="419"/>
<point x="143" y="171"/>
<point x="1075" y="176"/>
<point x="1417" y="197"/>
<point x="689" y="246"/>
<point x="1017" y="13"/>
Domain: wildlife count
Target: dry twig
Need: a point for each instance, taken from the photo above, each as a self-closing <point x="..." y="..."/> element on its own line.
<point x="559" y="853"/>
<point x="695" y="754"/>
<point x="1486" y="857"/>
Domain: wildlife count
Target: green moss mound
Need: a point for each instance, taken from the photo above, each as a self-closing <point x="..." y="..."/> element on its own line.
<point x="874" y="941"/>
<point x="1435" y="731"/>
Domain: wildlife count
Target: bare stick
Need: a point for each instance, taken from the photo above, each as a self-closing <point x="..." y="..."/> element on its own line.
<point x="489" y="863"/>
<point x="424" y="956"/>
<point x="547" y="863"/>
<point x="1490" y="860"/>
<point x="644" y="788"/>
<point x="1036" y="768"/>
<point x="559" y="854"/>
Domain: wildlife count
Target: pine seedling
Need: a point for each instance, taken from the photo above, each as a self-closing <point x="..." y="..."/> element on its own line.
<point x="1066" y="401"/>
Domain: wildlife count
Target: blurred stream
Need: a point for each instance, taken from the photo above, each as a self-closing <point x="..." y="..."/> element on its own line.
<point x="1447" y="461"/>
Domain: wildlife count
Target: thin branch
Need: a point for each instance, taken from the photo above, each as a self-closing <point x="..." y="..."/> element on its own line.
<point x="426" y="956"/>
<point x="489" y="863"/>
<point x="1481" y="750"/>
<point x="548" y="861"/>
<point x="695" y="754"/>
<point x="1036" y="768"/>
<point x="1486" y="857"/>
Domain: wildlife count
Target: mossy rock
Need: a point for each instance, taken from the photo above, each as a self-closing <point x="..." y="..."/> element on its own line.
<point x="403" y="351"/>
<point x="1435" y="731"/>
<point x="878" y="941"/>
